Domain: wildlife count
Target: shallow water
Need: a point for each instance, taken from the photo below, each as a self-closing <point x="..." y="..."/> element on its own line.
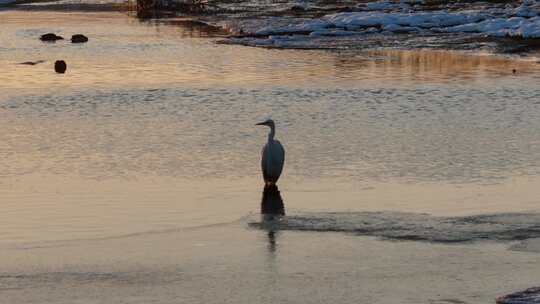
<point x="131" y="171"/>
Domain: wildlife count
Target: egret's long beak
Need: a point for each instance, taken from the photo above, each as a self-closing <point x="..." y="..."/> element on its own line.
<point x="261" y="124"/>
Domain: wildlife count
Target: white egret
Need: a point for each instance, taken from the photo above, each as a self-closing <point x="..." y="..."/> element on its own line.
<point x="273" y="156"/>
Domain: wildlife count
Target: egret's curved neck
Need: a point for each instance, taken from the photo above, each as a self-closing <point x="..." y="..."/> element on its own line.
<point x="272" y="133"/>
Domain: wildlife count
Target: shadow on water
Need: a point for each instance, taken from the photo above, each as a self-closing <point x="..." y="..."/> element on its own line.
<point x="187" y="28"/>
<point x="272" y="209"/>
<point x="272" y="203"/>
<point x="401" y="226"/>
<point x="432" y="65"/>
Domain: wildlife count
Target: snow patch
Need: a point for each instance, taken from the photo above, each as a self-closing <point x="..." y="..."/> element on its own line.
<point x="386" y="17"/>
<point x="514" y="21"/>
<point x="502" y="27"/>
<point x="423" y="20"/>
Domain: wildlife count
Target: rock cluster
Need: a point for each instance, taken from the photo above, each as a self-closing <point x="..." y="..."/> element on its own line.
<point x="50" y="37"/>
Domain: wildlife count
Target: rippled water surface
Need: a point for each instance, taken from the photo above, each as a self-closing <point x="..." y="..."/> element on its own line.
<point x="161" y="99"/>
<point x="145" y="154"/>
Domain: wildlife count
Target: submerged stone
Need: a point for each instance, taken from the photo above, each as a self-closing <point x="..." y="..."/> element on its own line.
<point x="79" y="38"/>
<point x="50" y="37"/>
<point x="297" y="8"/>
<point x="60" y="66"/>
<point x="32" y="62"/>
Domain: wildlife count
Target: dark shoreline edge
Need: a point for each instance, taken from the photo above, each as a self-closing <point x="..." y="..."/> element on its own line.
<point x="529" y="296"/>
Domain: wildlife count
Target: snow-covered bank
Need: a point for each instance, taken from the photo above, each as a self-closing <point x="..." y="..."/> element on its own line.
<point x="519" y="20"/>
<point x="511" y="25"/>
<point x="522" y="21"/>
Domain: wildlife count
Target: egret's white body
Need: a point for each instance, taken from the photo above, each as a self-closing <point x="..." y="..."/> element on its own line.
<point x="272" y="156"/>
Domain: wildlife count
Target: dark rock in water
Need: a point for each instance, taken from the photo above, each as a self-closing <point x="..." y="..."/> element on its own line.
<point x="32" y="62"/>
<point x="528" y="296"/>
<point x="60" y="66"/>
<point x="79" y="38"/>
<point x="345" y="9"/>
<point x="50" y="37"/>
<point x="297" y="8"/>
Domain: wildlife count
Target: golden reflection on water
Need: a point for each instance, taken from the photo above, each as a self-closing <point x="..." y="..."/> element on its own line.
<point x="69" y="207"/>
<point x="44" y="180"/>
<point x="124" y="52"/>
<point x="433" y="66"/>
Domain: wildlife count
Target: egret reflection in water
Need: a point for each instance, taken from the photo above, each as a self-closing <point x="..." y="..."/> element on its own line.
<point x="272" y="203"/>
<point x="272" y="209"/>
